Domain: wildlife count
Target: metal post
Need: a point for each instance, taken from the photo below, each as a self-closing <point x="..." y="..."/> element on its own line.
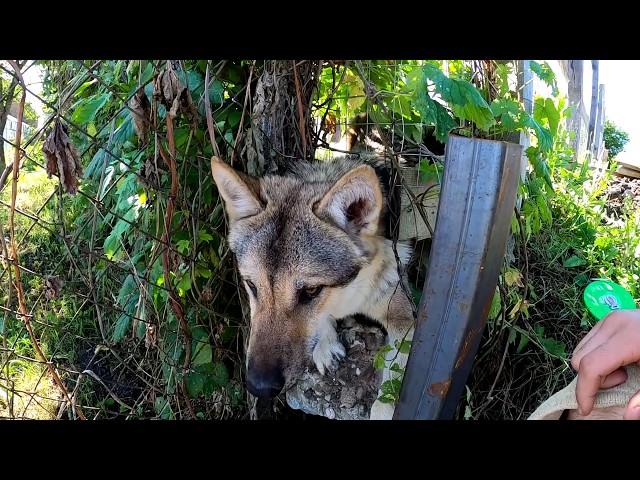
<point x="474" y="216"/>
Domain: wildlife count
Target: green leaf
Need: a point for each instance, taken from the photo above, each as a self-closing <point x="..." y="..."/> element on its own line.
<point x="429" y="172"/>
<point x="112" y="242"/>
<point x="204" y="236"/>
<point x="183" y="246"/>
<point x="496" y="305"/>
<point x="216" y="376"/>
<point x="467" y="413"/>
<point x="512" y="276"/>
<point x="126" y="130"/>
<point x="545" y="73"/>
<point x="128" y="286"/>
<point x="216" y="92"/>
<point x="391" y="389"/>
<point x="405" y="346"/>
<point x="545" y="112"/>
<point x="203" y="272"/>
<point x="574" y="261"/>
<point x="201" y="349"/>
<point x="163" y="409"/>
<point x="539" y="165"/>
<point x="184" y="285"/>
<point x="233" y="118"/>
<point x="465" y="100"/>
<point x="379" y="361"/>
<point x="194" y="383"/>
<point x="524" y="340"/>
<point x="554" y="347"/>
<point x="87" y="109"/>
<point x="386" y="398"/>
<point x="121" y="328"/>
<point x="509" y="112"/>
<point x="396" y="368"/>
<point x="433" y="113"/>
<point x="543" y="208"/>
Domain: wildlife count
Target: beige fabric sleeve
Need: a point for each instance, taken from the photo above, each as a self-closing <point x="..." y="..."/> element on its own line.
<point x="565" y="399"/>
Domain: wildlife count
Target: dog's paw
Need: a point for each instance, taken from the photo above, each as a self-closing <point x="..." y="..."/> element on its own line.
<point x="381" y="411"/>
<point x="327" y="353"/>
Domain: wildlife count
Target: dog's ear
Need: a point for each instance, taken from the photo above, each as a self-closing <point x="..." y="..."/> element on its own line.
<point x="355" y="201"/>
<point x="241" y="193"/>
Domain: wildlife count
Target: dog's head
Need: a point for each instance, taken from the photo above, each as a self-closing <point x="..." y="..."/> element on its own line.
<point x="297" y="243"/>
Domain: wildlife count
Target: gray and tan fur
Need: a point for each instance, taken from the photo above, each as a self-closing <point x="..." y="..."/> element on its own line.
<point x="311" y="248"/>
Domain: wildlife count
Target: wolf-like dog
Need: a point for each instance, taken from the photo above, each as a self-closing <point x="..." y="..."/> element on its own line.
<point x="311" y="248"/>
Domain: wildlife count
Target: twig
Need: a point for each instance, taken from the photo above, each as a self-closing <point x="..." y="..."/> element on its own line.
<point x="170" y="159"/>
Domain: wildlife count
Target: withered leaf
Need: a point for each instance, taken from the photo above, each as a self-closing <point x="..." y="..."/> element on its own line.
<point x="53" y="286"/>
<point x="170" y="92"/>
<point x="62" y="157"/>
<point x="141" y="112"/>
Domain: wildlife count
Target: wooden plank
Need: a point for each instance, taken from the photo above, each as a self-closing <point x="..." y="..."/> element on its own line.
<point x="575" y="73"/>
<point x="597" y="140"/>
<point x="629" y="163"/>
<point x="594" y="102"/>
<point x="628" y="172"/>
<point x="412" y="225"/>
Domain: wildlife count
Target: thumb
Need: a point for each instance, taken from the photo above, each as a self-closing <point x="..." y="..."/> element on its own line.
<point x="632" y="412"/>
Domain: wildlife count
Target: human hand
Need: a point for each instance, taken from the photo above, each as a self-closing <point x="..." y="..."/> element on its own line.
<point x="612" y="343"/>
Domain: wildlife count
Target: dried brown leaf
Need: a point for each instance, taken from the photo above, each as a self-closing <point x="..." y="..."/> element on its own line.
<point x="141" y="111"/>
<point x="62" y="158"/>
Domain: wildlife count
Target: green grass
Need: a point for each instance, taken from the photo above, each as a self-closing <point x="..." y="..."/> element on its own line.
<point x="38" y="251"/>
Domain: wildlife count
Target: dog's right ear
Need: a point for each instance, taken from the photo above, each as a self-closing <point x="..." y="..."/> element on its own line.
<point x="240" y="192"/>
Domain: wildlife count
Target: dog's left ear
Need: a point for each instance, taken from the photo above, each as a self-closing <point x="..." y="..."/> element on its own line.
<point x="355" y="201"/>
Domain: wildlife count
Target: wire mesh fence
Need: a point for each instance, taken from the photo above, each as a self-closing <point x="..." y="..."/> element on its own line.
<point x="118" y="294"/>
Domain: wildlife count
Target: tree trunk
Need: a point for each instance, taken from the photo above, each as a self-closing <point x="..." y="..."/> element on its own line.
<point x="281" y="124"/>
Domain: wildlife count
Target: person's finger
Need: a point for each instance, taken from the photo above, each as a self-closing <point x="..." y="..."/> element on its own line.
<point x="614" y="379"/>
<point x="632" y="412"/>
<point x="594" y="368"/>
<point x="598" y="338"/>
<point x="596" y="328"/>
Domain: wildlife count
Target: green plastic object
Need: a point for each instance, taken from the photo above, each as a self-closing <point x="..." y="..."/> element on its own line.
<point x="604" y="296"/>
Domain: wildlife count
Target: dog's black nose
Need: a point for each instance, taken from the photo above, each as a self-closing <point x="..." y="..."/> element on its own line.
<point x="266" y="382"/>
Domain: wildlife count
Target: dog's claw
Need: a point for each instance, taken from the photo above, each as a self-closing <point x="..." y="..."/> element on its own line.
<point x="327" y="353"/>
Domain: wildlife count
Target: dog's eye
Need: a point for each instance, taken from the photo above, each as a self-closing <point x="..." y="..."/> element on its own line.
<point x="252" y="287"/>
<point x="308" y="294"/>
